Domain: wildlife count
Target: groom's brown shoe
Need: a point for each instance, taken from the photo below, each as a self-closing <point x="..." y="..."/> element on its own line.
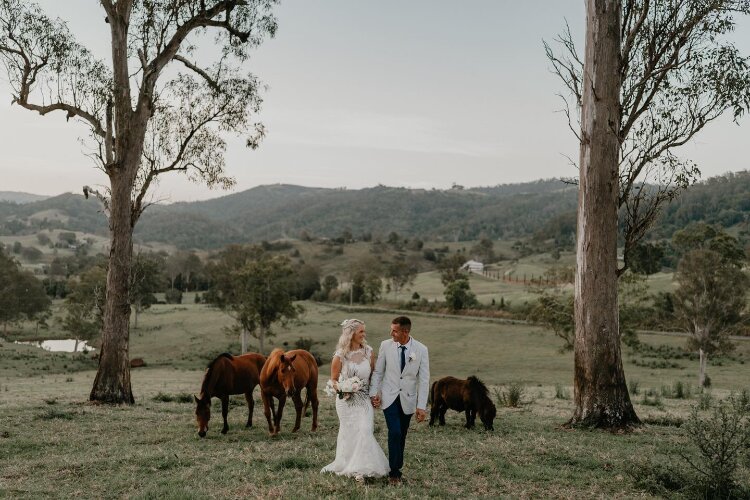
<point x="394" y="481"/>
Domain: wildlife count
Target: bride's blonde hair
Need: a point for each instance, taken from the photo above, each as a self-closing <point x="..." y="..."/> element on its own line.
<point x="348" y="328"/>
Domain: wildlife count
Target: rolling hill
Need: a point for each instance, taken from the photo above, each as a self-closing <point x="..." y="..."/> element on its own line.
<point x="286" y="211"/>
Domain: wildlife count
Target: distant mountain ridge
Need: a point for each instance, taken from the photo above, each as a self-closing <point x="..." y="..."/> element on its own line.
<point x="20" y="197"/>
<point x="287" y="211"/>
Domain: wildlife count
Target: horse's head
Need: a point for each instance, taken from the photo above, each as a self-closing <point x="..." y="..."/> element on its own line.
<point x="286" y="374"/>
<point x="202" y="413"/>
<point x="487" y="415"/>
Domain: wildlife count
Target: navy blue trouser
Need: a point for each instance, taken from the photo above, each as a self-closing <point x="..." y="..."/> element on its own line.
<point x="398" y="424"/>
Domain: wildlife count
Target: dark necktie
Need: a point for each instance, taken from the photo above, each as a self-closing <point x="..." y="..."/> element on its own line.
<point x="403" y="356"/>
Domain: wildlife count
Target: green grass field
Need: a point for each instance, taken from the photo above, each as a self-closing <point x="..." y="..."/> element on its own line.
<point x="53" y="443"/>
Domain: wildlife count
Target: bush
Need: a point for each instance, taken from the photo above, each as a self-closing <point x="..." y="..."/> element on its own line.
<point x="183" y="397"/>
<point x="705" y="401"/>
<point x="721" y="439"/>
<point x="658" y="478"/>
<point x="561" y="392"/>
<point x="681" y="391"/>
<point x="633" y="387"/>
<point x="304" y="343"/>
<point x="510" y="397"/>
<point x="173" y="296"/>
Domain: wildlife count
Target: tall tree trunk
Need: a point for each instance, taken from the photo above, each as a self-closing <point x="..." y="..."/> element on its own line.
<point x="261" y="339"/>
<point x="702" y="370"/>
<point x="112" y="382"/>
<point x="243" y="340"/>
<point x="601" y="394"/>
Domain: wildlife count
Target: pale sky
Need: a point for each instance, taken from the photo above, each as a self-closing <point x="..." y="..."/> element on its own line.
<point x="414" y="93"/>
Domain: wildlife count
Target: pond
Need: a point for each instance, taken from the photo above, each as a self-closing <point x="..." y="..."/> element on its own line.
<point x="63" y="345"/>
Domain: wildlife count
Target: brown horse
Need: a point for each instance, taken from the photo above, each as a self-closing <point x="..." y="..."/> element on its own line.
<point x="286" y="374"/>
<point x="228" y="375"/>
<point x="469" y="395"/>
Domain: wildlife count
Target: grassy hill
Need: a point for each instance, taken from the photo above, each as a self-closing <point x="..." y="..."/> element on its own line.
<point x="54" y="443"/>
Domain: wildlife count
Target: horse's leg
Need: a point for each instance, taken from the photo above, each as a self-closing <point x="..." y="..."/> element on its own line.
<point x="268" y="410"/>
<point x="297" y="400"/>
<point x="441" y="413"/>
<point x="277" y="419"/>
<point x="224" y="412"/>
<point x="471" y="415"/>
<point x="313" y="397"/>
<point x="250" y="407"/>
<point x="434" y="411"/>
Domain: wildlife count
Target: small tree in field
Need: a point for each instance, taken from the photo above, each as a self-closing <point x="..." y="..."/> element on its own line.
<point x="145" y="279"/>
<point x="458" y="295"/>
<point x="255" y="288"/>
<point x="84" y="304"/>
<point x="22" y="295"/>
<point x="152" y="108"/>
<point x="711" y="297"/>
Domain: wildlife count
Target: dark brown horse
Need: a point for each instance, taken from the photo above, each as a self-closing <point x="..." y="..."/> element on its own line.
<point x="469" y="395"/>
<point x="228" y="375"/>
<point x="286" y="374"/>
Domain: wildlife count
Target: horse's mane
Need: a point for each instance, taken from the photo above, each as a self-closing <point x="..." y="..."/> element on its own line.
<point x="274" y="360"/>
<point x="477" y="389"/>
<point x="209" y="370"/>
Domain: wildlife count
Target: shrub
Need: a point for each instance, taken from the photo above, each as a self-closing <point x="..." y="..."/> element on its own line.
<point x="652" y="398"/>
<point x="721" y="440"/>
<point x="305" y="343"/>
<point x="681" y="391"/>
<point x="182" y="397"/>
<point x="633" y="387"/>
<point x="510" y="397"/>
<point x="173" y="296"/>
<point x="705" y="401"/>
<point x="561" y="392"/>
<point x="658" y="478"/>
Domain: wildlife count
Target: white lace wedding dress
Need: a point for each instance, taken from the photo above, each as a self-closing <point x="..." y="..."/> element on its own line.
<point x="358" y="454"/>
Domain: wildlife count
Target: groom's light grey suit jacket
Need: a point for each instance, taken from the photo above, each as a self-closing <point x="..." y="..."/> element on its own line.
<point x="411" y="386"/>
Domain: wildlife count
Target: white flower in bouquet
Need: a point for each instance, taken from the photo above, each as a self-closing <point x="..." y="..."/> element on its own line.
<point x="330" y="390"/>
<point x="350" y="385"/>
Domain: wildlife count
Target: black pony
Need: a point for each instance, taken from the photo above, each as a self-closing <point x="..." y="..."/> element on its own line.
<point x="469" y="395"/>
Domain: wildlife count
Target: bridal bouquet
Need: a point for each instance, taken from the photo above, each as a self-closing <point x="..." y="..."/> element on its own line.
<point x="347" y="388"/>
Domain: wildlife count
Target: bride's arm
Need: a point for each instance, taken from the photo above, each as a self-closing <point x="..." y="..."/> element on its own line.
<point x="335" y="371"/>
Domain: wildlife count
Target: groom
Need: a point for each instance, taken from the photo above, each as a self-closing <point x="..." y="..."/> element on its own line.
<point x="400" y="384"/>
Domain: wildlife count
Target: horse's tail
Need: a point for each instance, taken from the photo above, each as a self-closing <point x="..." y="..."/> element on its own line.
<point x="430" y="396"/>
<point x="307" y="401"/>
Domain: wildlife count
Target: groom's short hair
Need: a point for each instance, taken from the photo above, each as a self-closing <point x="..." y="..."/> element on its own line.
<point x="403" y="322"/>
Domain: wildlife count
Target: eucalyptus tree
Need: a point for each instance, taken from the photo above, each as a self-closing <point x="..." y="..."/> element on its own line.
<point x="653" y="75"/>
<point x="255" y="288"/>
<point x="153" y="107"/>
<point x="678" y="72"/>
<point x="712" y="287"/>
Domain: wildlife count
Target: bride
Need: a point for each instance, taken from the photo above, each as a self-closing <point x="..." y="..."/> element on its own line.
<point x="358" y="454"/>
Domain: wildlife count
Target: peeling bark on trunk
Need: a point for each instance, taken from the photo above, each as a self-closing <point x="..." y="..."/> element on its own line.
<point x="601" y="394"/>
<point x="112" y="382"/>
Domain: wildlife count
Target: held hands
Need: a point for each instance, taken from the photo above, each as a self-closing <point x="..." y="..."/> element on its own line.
<point x="375" y="401"/>
<point x="421" y="415"/>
